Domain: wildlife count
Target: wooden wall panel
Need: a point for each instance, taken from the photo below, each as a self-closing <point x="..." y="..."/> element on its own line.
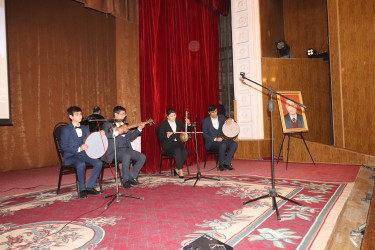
<point x="127" y="69"/>
<point x="271" y="26"/>
<point x="325" y="154"/>
<point x="60" y="54"/>
<point x="335" y="58"/>
<point x="253" y="149"/>
<point x="310" y="76"/>
<point x="305" y="25"/>
<point x="357" y="63"/>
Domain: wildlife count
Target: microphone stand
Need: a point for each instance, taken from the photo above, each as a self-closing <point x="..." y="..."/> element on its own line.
<point x="272" y="192"/>
<point x="117" y="194"/>
<point x="199" y="175"/>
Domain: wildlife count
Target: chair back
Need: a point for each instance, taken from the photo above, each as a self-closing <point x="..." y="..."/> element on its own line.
<point x="157" y="136"/>
<point x="56" y="138"/>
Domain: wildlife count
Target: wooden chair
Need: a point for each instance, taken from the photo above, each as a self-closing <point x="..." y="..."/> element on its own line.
<point x="64" y="169"/>
<point x="212" y="152"/>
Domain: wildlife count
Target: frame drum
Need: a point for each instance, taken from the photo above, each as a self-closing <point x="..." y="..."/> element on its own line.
<point x="230" y="131"/>
<point x="97" y="145"/>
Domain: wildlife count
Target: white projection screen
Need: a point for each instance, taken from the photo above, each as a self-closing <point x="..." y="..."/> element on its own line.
<point x="5" y="118"/>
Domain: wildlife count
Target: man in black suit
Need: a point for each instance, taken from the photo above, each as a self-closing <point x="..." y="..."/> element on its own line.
<point x="93" y="125"/>
<point x="213" y="135"/>
<point x="124" y="150"/>
<point x="292" y="119"/>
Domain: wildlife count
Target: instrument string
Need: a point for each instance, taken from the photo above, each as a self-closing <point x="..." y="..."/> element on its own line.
<point x="105" y="151"/>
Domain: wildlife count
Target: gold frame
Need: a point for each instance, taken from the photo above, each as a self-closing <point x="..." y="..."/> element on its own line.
<point x="296" y="96"/>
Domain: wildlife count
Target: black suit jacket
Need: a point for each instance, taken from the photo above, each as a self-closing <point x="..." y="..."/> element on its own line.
<point x="209" y="132"/>
<point x="93" y="125"/>
<point x="166" y="142"/>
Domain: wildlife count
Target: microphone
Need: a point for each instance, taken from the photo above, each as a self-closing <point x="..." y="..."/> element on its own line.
<point x="195" y="121"/>
<point x="87" y="118"/>
<point x="242" y="74"/>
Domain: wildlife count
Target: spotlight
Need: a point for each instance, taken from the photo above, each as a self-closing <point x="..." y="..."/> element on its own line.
<point x="282" y="48"/>
<point x="311" y="53"/>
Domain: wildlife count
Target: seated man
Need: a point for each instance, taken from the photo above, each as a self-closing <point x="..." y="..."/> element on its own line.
<point x="213" y="136"/>
<point x="73" y="147"/>
<point x="124" y="150"/>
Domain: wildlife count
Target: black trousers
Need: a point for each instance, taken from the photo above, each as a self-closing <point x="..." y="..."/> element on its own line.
<point x="179" y="152"/>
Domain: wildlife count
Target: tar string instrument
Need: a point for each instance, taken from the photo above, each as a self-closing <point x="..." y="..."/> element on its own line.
<point x="126" y="127"/>
<point x="184" y="137"/>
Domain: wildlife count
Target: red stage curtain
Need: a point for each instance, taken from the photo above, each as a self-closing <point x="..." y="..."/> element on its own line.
<point x="179" y="67"/>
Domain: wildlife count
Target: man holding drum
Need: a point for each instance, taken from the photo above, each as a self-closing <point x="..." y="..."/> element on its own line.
<point x="73" y="147"/>
<point x="212" y="127"/>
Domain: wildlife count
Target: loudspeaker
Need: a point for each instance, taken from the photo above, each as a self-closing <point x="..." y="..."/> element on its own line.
<point x="206" y="242"/>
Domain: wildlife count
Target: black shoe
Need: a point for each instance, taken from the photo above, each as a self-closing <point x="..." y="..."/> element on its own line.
<point x="222" y="168"/>
<point x="126" y="185"/>
<point x="179" y="176"/>
<point x="134" y="182"/>
<point x="91" y="191"/>
<point x="229" y="167"/>
<point x="82" y="195"/>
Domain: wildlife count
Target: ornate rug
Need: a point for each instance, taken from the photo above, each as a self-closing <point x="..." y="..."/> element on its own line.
<point x="174" y="213"/>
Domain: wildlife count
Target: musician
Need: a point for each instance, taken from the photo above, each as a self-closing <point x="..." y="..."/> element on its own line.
<point x="124" y="150"/>
<point x="171" y="142"/>
<point x="93" y="125"/>
<point x="213" y="136"/>
<point x="72" y="145"/>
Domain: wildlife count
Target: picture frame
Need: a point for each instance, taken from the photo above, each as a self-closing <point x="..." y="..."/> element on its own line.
<point x="289" y="110"/>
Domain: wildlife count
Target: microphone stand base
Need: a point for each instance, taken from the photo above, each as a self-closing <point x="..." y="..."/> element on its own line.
<point x="199" y="176"/>
<point x="273" y="194"/>
<point x="116" y="195"/>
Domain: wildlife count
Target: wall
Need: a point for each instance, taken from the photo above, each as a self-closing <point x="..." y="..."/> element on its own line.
<point x="60" y="54"/>
<point x="352" y="35"/>
<point x="271" y="25"/>
<point x="305" y="26"/>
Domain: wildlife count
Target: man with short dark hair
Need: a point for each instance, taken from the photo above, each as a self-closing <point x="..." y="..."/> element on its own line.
<point x="73" y="147"/>
<point x="212" y="127"/>
<point x="119" y="132"/>
<point x="93" y="124"/>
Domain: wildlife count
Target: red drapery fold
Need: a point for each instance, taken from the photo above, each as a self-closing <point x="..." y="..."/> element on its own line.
<point x="179" y="67"/>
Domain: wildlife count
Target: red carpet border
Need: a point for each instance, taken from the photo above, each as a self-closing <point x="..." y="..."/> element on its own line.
<point x="174" y="213"/>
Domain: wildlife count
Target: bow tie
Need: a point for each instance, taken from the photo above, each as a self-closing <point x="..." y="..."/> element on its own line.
<point x="77" y="127"/>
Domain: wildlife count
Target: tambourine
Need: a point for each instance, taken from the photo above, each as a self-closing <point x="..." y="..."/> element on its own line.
<point x="97" y="145"/>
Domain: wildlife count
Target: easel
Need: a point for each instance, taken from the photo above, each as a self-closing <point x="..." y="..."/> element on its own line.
<point x="287" y="158"/>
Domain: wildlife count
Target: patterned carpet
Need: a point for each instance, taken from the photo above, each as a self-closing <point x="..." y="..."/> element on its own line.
<point x="174" y="213"/>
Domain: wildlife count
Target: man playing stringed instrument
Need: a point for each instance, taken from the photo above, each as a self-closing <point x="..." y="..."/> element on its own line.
<point x="212" y="127"/>
<point x="124" y="150"/>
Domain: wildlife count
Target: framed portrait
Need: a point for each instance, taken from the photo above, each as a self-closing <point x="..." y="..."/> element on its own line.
<point x="293" y="117"/>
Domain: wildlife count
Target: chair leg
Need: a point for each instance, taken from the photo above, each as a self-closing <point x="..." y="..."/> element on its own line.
<point x="59" y="183"/>
<point x="205" y="160"/>
<point x="119" y="171"/>
<point x="174" y="165"/>
<point x="187" y="166"/>
<point x="161" y="162"/>
<point x="77" y="187"/>
<point x="217" y="160"/>
<point x="101" y="176"/>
